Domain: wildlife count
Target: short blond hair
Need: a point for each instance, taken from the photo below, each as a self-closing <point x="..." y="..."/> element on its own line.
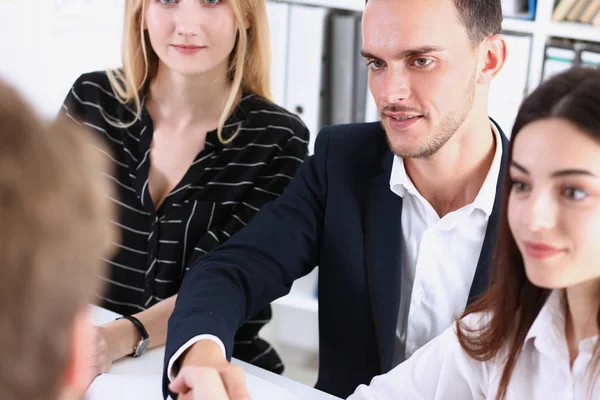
<point x="54" y="212"/>
<point x="249" y="63"/>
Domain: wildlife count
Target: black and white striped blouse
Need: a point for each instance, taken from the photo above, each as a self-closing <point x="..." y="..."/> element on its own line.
<point x="220" y="193"/>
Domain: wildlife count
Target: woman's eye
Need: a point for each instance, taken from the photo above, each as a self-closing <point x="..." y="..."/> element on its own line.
<point x="574" y="193"/>
<point x="519" y="186"/>
<point x="212" y="2"/>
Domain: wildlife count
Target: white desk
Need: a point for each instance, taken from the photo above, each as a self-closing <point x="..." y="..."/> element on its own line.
<point x="151" y="363"/>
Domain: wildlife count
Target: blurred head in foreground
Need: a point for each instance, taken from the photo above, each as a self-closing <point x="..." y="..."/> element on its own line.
<point x="54" y="229"/>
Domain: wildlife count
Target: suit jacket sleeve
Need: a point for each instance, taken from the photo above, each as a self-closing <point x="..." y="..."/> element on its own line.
<point x="258" y="264"/>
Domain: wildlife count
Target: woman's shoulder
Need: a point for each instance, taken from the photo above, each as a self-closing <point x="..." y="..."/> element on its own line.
<point x="92" y="83"/>
<point x="94" y="89"/>
<point x="265" y="113"/>
<point x="93" y="96"/>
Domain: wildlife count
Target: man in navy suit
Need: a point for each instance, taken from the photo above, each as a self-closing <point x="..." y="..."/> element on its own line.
<point x="400" y="216"/>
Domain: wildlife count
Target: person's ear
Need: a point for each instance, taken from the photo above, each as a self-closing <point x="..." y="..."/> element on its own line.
<point x="493" y="56"/>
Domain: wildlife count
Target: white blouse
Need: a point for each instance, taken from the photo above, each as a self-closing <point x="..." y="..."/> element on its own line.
<point x="443" y="370"/>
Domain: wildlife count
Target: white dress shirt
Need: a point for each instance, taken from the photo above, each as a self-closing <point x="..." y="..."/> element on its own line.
<point x="439" y="260"/>
<point x="439" y="257"/>
<point x="443" y="370"/>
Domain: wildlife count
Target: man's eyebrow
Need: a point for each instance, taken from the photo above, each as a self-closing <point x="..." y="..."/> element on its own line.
<point x="406" y="53"/>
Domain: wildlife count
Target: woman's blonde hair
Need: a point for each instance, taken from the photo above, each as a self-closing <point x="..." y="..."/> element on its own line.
<point x="249" y="65"/>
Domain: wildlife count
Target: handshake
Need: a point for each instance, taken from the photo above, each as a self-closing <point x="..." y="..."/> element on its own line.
<point x="206" y="374"/>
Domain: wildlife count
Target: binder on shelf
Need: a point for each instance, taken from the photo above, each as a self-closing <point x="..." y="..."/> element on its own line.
<point x="306" y="62"/>
<point x="577" y="10"/>
<point x="278" y="15"/>
<point x="562" y="9"/>
<point x="519" y="9"/>
<point x="590" y="56"/>
<point x="592" y="9"/>
<point x="559" y="57"/>
<point x="509" y="87"/>
<point x="341" y="74"/>
<point x="361" y="76"/>
<point x="510" y="8"/>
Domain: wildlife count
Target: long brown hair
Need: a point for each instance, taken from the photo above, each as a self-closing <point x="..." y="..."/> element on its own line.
<point x="512" y="300"/>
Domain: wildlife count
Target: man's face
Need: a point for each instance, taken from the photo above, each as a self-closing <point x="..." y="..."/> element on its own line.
<point x="422" y="72"/>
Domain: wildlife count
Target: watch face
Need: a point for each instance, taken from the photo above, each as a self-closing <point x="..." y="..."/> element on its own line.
<point x="141" y="347"/>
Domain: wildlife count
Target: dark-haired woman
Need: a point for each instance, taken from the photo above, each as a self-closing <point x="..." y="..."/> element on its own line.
<point x="534" y="334"/>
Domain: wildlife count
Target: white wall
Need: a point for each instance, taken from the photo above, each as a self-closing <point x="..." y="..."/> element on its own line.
<point x="46" y="44"/>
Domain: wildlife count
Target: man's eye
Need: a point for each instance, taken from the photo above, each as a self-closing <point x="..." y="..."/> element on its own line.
<point x="422" y="62"/>
<point x="374" y="65"/>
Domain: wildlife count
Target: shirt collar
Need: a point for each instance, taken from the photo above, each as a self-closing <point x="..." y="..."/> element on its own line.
<point x="551" y="318"/>
<point x="400" y="182"/>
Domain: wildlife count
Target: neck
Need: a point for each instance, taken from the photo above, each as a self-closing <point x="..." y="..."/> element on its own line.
<point x="188" y="100"/>
<point x="581" y="320"/>
<point x="453" y="176"/>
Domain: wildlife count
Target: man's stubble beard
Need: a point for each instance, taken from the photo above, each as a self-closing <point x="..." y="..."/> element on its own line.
<point x="449" y="125"/>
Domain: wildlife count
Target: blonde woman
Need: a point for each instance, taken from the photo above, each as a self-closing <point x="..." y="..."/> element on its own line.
<point x="198" y="148"/>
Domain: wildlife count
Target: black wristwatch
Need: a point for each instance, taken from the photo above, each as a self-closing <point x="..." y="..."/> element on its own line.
<point x="142" y="345"/>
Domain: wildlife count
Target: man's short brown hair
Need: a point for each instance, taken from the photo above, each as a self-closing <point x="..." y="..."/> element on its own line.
<point x="54" y="229"/>
<point x="481" y="18"/>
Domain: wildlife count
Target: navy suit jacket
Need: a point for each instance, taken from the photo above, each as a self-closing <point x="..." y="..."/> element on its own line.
<point x="340" y="214"/>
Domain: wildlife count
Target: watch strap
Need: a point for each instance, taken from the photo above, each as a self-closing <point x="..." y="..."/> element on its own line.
<point x="138" y="324"/>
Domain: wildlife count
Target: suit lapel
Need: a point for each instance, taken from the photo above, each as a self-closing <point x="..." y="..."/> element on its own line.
<point x="383" y="236"/>
<point x="383" y="257"/>
<point x="481" y="280"/>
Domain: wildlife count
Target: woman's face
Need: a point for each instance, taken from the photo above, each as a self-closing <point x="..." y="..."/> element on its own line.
<point x="192" y="37"/>
<point x="554" y="203"/>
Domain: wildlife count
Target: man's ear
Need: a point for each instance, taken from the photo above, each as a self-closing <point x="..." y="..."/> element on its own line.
<point x="78" y="373"/>
<point x="493" y="57"/>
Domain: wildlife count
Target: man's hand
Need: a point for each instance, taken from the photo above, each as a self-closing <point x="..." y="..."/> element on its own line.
<point x="206" y="374"/>
<point x="99" y="360"/>
<point x="206" y="383"/>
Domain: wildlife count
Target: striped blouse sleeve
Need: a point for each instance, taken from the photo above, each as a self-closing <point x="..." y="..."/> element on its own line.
<point x="72" y="106"/>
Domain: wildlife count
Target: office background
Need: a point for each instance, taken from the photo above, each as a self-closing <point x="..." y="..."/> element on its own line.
<point x="317" y="73"/>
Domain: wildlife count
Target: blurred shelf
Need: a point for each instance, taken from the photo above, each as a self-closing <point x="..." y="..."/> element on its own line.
<point x="518" y="25"/>
<point x="568" y="30"/>
<point x="573" y="30"/>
